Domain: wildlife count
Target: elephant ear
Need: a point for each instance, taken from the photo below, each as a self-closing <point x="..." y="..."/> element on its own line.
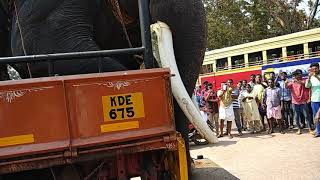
<point x="186" y="19"/>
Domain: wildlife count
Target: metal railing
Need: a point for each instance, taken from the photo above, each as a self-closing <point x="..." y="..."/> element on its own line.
<point x="268" y="61"/>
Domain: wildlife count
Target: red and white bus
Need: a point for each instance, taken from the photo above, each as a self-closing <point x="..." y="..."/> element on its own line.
<point x="285" y="53"/>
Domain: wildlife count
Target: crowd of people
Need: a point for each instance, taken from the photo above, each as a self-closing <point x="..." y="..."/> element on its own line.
<point x="283" y="103"/>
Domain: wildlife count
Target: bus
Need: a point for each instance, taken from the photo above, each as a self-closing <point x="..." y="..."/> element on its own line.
<point x="283" y="53"/>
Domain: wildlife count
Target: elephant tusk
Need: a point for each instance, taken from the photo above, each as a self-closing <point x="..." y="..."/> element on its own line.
<point x="166" y="59"/>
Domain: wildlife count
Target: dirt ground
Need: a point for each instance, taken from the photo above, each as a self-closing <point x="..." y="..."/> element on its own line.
<point x="260" y="156"/>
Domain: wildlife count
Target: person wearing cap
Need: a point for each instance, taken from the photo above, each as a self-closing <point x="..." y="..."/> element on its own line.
<point x="300" y="97"/>
<point x="313" y="82"/>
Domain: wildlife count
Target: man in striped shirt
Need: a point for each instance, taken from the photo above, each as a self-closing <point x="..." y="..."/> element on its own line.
<point x="236" y="107"/>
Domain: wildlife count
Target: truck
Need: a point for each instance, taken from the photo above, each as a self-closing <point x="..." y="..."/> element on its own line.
<point x="116" y="125"/>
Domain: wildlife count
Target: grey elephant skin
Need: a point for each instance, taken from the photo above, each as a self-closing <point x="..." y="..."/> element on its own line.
<point x="58" y="26"/>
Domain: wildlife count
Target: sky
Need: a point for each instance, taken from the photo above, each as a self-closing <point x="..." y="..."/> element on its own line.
<point x="304" y="5"/>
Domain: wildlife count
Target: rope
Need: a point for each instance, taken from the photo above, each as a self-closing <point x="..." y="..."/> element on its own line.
<point x="94" y="171"/>
<point x="21" y="37"/>
<point x="123" y="22"/>
<point x="52" y="173"/>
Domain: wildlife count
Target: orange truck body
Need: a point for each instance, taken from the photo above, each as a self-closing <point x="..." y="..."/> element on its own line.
<point x="65" y="119"/>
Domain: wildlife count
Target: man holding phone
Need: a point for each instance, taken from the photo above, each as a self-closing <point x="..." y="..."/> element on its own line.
<point x="226" y="108"/>
<point x="313" y="82"/>
<point x="211" y="100"/>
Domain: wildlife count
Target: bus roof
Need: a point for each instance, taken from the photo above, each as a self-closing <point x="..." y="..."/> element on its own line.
<point x="265" y="44"/>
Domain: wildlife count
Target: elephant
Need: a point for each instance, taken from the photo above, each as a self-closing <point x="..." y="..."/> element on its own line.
<point x="60" y="26"/>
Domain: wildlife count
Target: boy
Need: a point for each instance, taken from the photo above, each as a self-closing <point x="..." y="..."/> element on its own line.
<point x="271" y="99"/>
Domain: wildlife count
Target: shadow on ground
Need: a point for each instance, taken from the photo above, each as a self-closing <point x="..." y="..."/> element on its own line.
<point x="205" y="169"/>
<point x="220" y="143"/>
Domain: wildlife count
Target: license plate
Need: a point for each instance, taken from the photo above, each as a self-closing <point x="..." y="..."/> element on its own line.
<point x="123" y="106"/>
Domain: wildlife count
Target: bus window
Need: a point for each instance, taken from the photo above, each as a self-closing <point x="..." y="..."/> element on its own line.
<point x="206" y="69"/>
<point x="237" y="61"/>
<point x="293" y="51"/>
<point x="274" y="55"/>
<point x="222" y="64"/>
<point x="255" y="58"/>
<point x="314" y="48"/>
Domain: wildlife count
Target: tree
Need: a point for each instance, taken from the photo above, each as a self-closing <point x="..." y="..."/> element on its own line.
<point x="226" y="21"/>
<point x="232" y="22"/>
<point x="313" y="6"/>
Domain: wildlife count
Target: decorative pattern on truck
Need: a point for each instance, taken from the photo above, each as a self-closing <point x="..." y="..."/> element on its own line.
<point x="10" y="96"/>
<point x="118" y="85"/>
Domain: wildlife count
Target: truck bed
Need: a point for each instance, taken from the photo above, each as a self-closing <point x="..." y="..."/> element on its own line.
<point x="64" y="118"/>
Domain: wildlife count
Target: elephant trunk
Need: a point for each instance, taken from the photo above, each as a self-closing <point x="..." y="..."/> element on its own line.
<point x="187" y="22"/>
<point x="167" y="59"/>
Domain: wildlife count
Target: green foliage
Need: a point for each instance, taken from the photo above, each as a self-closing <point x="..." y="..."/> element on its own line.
<point x="232" y="22"/>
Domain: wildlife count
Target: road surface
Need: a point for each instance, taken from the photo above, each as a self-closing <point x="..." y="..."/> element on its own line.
<point x="261" y="156"/>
